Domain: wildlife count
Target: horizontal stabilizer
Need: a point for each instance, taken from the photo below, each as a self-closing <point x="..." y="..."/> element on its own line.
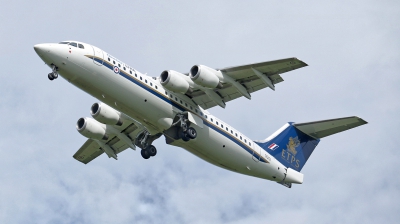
<point x="320" y="129"/>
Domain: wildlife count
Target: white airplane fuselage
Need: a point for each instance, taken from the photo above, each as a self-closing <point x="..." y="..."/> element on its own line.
<point x="144" y="99"/>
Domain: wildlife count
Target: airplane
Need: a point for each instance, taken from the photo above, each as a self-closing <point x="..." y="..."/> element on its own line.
<point x="135" y="109"/>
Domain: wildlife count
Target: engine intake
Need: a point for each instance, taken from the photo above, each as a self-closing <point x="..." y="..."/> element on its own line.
<point x="174" y="81"/>
<point x="204" y="76"/>
<point x="90" y="128"/>
<point x="106" y="114"/>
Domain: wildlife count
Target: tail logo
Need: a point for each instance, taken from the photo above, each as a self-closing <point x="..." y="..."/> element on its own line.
<point x="290" y="153"/>
<point x="292" y="144"/>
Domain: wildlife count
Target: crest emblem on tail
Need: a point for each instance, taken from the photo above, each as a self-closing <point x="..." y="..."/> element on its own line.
<point x="292" y="144"/>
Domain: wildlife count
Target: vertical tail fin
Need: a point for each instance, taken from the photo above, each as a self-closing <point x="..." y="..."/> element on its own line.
<point x="293" y="143"/>
<point x="290" y="146"/>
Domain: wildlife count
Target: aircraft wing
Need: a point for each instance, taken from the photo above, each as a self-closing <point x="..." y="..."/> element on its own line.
<point x="91" y="149"/>
<point x="252" y="76"/>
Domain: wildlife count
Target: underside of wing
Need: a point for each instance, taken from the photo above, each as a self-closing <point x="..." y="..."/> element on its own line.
<point x="91" y="149"/>
<point x="252" y="77"/>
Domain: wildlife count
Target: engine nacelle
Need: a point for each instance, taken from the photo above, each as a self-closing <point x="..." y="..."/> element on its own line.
<point x="204" y="76"/>
<point x="174" y="81"/>
<point x="91" y="128"/>
<point x="106" y="114"/>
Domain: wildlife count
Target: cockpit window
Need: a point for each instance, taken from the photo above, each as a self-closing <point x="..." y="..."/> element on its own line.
<point x="64" y="43"/>
<point x="73" y="44"/>
<point x="81" y="46"/>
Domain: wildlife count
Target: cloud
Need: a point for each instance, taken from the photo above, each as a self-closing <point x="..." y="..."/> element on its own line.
<point x="352" y="52"/>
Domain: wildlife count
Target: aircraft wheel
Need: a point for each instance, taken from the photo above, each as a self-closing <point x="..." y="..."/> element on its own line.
<point x="183" y="135"/>
<point x="50" y="76"/>
<point x="55" y="75"/>
<point x="191" y="132"/>
<point x="152" y="150"/>
<point x="145" y="154"/>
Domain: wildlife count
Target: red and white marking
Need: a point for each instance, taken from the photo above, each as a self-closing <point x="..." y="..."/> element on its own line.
<point x="273" y="146"/>
<point x="116" y="69"/>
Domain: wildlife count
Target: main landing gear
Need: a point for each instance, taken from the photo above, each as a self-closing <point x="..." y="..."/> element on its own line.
<point x="53" y="75"/>
<point x="144" y="141"/>
<point x="185" y="133"/>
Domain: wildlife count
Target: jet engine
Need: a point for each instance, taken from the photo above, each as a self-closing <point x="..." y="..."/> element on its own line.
<point x="106" y="114"/>
<point x="205" y="76"/>
<point x="91" y="128"/>
<point x="174" y="81"/>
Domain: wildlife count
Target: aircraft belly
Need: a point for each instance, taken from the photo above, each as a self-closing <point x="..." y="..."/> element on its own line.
<point x="209" y="146"/>
<point x="121" y="94"/>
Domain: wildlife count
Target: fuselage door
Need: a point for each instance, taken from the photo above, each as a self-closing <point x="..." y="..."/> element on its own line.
<point x="256" y="152"/>
<point x="98" y="56"/>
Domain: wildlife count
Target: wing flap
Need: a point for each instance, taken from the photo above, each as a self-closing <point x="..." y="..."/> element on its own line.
<point x="321" y="129"/>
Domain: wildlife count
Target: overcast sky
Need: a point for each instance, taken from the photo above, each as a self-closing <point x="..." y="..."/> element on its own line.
<point x="353" y="52"/>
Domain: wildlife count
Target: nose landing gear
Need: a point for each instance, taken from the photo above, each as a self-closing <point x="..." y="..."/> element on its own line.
<point x="53" y="75"/>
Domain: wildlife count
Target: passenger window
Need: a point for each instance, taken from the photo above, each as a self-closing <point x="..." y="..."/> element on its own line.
<point x="151" y="84"/>
<point x="245" y="140"/>
<point x="227" y="128"/>
<point x="231" y="132"/>
<point x="180" y="101"/>
<point x="166" y="93"/>
<point x="171" y="96"/>
<point x="114" y="62"/>
<point x="135" y="75"/>
<point x="176" y="99"/>
<point x="201" y="113"/>
<point x="222" y="126"/>
<point x="108" y="59"/>
<point x="240" y="137"/>
<point x="250" y="143"/>
<point x="205" y="116"/>
<point x="119" y="65"/>
<point x="191" y="107"/>
<point x="156" y="87"/>
<point x="81" y="46"/>
<point x="73" y="44"/>
<point x="124" y="68"/>
<point x="185" y="104"/>
<point x="216" y="122"/>
<point x="140" y="77"/>
<point x="130" y="72"/>
<point x="196" y="110"/>
<point x="212" y="120"/>
<point x="236" y="134"/>
<point x="145" y="80"/>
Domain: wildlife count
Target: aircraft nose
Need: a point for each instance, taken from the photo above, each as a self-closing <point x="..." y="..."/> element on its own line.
<point x="42" y="49"/>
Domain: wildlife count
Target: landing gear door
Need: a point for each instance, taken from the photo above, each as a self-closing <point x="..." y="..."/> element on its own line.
<point x="256" y="152"/>
<point x="195" y="119"/>
<point x="98" y="56"/>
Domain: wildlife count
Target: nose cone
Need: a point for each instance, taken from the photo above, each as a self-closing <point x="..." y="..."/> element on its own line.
<point x="42" y="49"/>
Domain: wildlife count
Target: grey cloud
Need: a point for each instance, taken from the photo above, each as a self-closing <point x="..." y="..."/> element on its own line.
<point x="352" y="50"/>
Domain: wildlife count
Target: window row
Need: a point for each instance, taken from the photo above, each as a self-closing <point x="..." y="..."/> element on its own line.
<point x="231" y="131"/>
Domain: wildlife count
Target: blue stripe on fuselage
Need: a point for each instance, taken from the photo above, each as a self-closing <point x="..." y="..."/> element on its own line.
<point x="211" y="125"/>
